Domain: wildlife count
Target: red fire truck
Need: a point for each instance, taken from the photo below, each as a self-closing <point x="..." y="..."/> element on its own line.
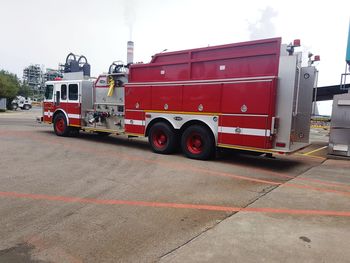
<point x="253" y="96"/>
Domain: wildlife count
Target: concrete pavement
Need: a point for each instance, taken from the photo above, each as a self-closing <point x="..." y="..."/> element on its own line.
<point x="92" y="199"/>
<point x="274" y="237"/>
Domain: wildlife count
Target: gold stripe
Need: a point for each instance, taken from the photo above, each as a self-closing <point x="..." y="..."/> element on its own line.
<point x="73" y="125"/>
<point x="135" y="134"/>
<point x="182" y="112"/>
<point x="98" y="130"/>
<point x="248" y="148"/>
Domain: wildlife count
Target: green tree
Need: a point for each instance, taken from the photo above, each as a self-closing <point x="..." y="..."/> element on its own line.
<point x="9" y="85"/>
<point x="25" y="91"/>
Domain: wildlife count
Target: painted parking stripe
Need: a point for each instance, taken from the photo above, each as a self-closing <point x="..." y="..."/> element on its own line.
<point x="316" y="150"/>
<point x="68" y="199"/>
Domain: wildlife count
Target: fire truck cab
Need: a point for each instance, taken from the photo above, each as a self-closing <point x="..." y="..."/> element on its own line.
<point x="64" y="102"/>
<point x="253" y="96"/>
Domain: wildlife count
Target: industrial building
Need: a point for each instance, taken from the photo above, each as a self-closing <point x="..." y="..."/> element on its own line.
<point x="35" y="77"/>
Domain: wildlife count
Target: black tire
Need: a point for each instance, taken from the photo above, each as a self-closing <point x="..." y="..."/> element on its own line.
<point x="60" y="125"/>
<point x="197" y="142"/>
<point x="26" y="107"/>
<point x="74" y="132"/>
<point x="14" y="106"/>
<point x="102" y="134"/>
<point x="162" y="138"/>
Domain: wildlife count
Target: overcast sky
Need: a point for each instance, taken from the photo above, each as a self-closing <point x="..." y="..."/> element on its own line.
<point x="44" y="31"/>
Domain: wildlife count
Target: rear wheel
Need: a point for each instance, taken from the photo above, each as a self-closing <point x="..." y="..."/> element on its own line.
<point x="60" y="125"/>
<point x="26" y="107"/>
<point x="197" y="142"/>
<point x="162" y="138"/>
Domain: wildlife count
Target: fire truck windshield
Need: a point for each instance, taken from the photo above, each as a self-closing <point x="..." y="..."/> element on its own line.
<point x="48" y="92"/>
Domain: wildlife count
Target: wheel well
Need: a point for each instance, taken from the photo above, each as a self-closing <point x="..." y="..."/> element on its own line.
<point x="182" y="129"/>
<point x="196" y="122"/>
<point x="57" y="112"/>
<point x="156" y="120"/>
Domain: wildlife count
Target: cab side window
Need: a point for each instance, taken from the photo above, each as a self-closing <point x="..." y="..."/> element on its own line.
<point x="49" y="92"/>
<point x="73" y="92"/>
<point x="63" y="92"/>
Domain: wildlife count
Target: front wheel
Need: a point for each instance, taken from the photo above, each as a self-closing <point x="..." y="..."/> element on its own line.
<point x="14" y="106"/>
<point x="60" y="125"/>
<point x="197" y="142"/>
<point x="162" y="138"/>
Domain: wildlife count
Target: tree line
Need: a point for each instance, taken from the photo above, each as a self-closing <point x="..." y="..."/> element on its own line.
<point x="11" y="86"/>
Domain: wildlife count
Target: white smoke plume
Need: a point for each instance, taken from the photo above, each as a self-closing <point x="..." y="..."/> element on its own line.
<point x="130" y="15"/>
<point x="263" y="27"/>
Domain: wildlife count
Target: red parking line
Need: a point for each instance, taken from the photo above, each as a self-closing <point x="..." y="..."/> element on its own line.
<point x="170" y="163"/>
<point x="68" y="199"/>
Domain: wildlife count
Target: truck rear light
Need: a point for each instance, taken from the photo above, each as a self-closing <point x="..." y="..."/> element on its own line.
<point x="317" y="58"/>
<point x="148" y="115"/>
<point x="280" y="144"/>
<point x="296" y="42"/>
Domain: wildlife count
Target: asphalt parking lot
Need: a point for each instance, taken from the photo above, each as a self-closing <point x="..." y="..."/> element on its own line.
<point x="110" y="199"/>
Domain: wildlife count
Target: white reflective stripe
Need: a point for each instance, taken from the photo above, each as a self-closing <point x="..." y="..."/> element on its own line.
<point x="74" y="116"/>
<point x="244" y="131"/>
<point x="245" y="115"/>
<point x="134" y="122"/>
<point x="47" y="113"/>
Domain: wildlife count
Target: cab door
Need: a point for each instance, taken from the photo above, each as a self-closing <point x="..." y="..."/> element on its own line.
<point x="73" y="103"/>
<point x="60" y="96"/>
<point x="62" y="88"/>
<point x="48" y="104"/>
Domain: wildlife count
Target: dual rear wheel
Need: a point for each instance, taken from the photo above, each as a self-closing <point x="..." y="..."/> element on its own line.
<point x="196" y="141"/>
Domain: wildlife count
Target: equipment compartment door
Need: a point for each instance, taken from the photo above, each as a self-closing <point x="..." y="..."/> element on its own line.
<point x="247" y="110"/>
<point x="248" y="131"/>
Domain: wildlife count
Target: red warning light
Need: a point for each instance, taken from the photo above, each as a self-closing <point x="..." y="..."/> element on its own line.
<point x="317" y="58"/>
<point x="280" y="144"/>
<point x="296" y="42"/>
